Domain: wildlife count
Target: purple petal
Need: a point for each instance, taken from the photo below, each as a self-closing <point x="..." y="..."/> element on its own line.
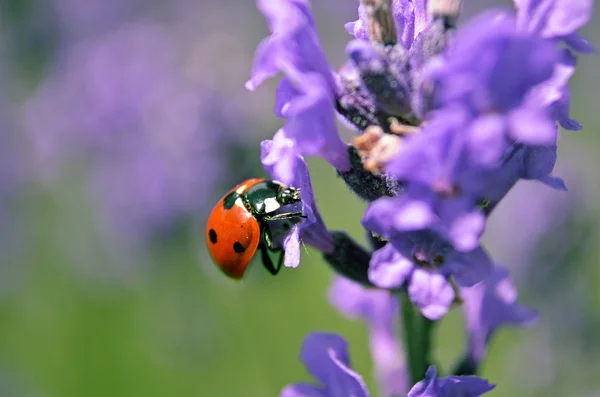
<point x="489" y="305"/>
<point x="532" y="127"/>
<point x="466" y="229"/>
<point x="379" y="308"/>
<point x="560" y="108"/>
<point x="377" y="216"/>
<point x="487" y="139"/>
<point x="294" y="44"/>
<point x="553" y="18"/>
<point x="286" y="92"/>
<point x="554" y="182"/>
<point x="357" y="28"/>
<point x="350" y="28"/>
<point x="413" y="214"/>
<point x="291" y="245"/>
<point x="427" y="387"/>
<point x="375" y="306"/>
<point x="311" y="121"/>
<point x="264" y="67"/>
<point x="326" y="358"/>
<point x="538" y="161"/>
<point x="468" y="268"/>
<point x="492" y="66"/>
<point x="350" y="298"/>
<point x="467" y="386"/>
<point x="306" y="95"/>
<point x="452" y="386"/>
<point x="388" y="268"/>
<point x="579" y="43"/>
<point x="280" y="158"/>
<point x="431" y="292"/>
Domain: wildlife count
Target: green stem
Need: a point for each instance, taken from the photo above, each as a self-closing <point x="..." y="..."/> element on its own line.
<point x="417" y="332"/>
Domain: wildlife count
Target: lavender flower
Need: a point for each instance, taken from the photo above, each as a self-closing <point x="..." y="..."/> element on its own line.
<point x="451" y="120"/>
<point x="379" y="309"/>
<point x="306" y="95"/>
<point x="487" y="133"/>
<point x="326" y="358"/>
<point x="432" y="386"/>
<point x="488" y="306"/>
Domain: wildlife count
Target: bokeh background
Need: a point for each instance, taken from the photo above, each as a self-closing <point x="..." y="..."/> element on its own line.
<point x="121" y="124"/>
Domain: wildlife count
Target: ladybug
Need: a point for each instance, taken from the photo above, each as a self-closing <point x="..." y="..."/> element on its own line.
<point x="239" y="224"/>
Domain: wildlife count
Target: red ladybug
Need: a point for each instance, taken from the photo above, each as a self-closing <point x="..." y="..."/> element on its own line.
<point x="239" y="224"/>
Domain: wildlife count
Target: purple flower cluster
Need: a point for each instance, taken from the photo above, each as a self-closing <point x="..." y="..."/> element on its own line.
<point x="448" y="120"/>
<point x="119" y="103"/>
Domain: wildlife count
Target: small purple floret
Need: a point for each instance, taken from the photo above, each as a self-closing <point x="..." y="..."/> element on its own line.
<point x="326" y="359"/>
<point x="489" y="305"/>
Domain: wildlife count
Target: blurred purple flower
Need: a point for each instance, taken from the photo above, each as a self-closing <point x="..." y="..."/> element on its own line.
<point x="451" y="386"/>
<point x="292" y="171"/>
<point x="541" y="214"/>
<point x="306" y="94"/>
<point x="326" y="359"/>
<point x="554" y="229"/>
<point x="379" y="309"/>
<point x="14" y="172"/>
<point x="118" y="103"/>
<point x="79" y="19"/>
<point x="489" y="305"/>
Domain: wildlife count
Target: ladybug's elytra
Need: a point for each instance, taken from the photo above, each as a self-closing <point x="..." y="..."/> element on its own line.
<point x="239" y="224"/>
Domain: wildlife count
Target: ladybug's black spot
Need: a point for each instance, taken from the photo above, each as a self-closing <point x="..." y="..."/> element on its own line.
<point x="212" y="236"/>
<point x="230" y="199"/>
<point x="238" y="247"/>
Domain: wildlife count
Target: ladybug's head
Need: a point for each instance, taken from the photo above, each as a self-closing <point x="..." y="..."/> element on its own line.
<point x="288" y="195"/>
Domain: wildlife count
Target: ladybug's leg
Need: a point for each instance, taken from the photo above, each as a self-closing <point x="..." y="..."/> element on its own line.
<point x="267" y="262"/>
<point x="267" y="240"/>
<point x="266" y="246"/>
<point x="287" y="215"/>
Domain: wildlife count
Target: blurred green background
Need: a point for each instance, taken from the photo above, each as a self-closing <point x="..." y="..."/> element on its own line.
<point x="81" y="317"/>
